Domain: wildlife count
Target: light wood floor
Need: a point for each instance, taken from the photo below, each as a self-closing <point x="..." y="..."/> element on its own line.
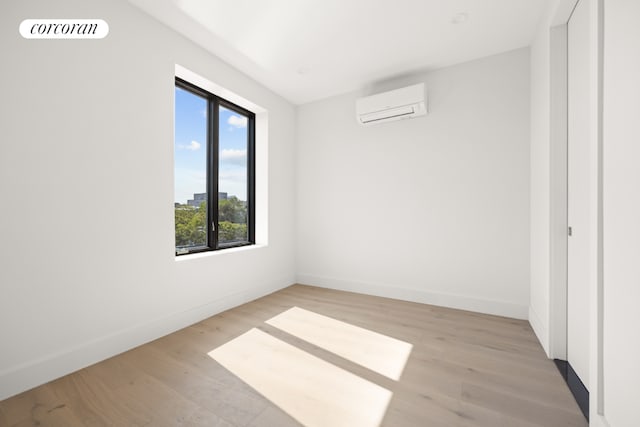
<point x="465" y="369"/>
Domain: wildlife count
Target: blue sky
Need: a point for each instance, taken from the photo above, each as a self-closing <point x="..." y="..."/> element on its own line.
<point x="190" y="148"/>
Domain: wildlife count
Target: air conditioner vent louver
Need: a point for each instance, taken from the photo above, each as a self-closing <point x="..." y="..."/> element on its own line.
<point x="404" y="103"/>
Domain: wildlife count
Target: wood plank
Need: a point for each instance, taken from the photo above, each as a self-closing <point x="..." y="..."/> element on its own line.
<point x="232" y="401"/>
<point x="465" y="369"/>
<point x="523" y="409"/>
<point x="311" y="390"/>
<point x="380" y="353"/>
<point x="273" y="416"/>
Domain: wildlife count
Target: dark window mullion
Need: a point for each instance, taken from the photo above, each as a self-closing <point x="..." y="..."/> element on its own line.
<point x="251" y="178"/>
<point x="214" y="142"/>
<point x="212" y="240"/>
<point x="211" y="185"/>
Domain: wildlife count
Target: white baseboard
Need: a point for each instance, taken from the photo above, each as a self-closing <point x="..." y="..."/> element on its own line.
<point x="479" y="305"/>
<point x="39" y="371"/>
<point x="540" y="329"/>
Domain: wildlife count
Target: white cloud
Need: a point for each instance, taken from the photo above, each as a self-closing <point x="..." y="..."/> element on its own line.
<point x="233" y="176"/>
<point x="237" y="121"/>
<point x="193" y="146"/>
<point x="234" y="183"/>
<point x="234" y="157"/>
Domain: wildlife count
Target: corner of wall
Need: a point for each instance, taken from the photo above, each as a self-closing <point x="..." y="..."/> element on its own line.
<point x="33" y="373"/>
<point x="540" y="329"/>
<point x="460" y="302"/>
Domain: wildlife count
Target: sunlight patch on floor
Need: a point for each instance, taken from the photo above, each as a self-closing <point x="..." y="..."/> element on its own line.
<point x="382" y="354"/>
<point x="314" y="392"/>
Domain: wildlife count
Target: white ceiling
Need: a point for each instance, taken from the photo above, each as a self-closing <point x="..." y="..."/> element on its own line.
<point x="306" y="50"/>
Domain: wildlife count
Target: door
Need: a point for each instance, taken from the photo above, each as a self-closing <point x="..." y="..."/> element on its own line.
<point x="578" y="191"/>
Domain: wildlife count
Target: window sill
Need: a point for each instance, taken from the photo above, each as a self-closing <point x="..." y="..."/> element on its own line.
<point x="220" y="252"/>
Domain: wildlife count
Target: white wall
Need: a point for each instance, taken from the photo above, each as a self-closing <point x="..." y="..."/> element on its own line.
<point x="434" y="209"/>
<point x="86" y="183"/>
<point x="621" y="213"/>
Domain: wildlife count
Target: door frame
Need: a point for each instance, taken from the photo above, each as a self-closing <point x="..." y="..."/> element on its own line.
<point x="559" y="194"/>
<point x="558" y="175"/>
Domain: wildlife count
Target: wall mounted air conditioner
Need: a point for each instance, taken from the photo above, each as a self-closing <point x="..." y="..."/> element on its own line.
<point x="405" y="103"/>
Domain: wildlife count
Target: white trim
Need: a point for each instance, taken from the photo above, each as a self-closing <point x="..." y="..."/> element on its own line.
<point x="216" y="89"/>
<point x="49" y="367"/>
<point x="479" y="305"/>
<point x="596" y="381"/>
<point x="213" y="254"/>
<point x="558" y="193"/>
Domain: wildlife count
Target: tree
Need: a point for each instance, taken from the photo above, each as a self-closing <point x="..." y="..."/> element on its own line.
<point x="191" y="225"/>
<point x="232" y="210"/>
<point x="230" y="232"/>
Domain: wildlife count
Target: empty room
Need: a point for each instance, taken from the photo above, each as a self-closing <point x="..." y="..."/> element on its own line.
<point x="336" y="213"/>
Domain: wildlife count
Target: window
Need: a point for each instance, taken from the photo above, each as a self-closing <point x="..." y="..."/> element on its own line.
<point x="214" y="152"/>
